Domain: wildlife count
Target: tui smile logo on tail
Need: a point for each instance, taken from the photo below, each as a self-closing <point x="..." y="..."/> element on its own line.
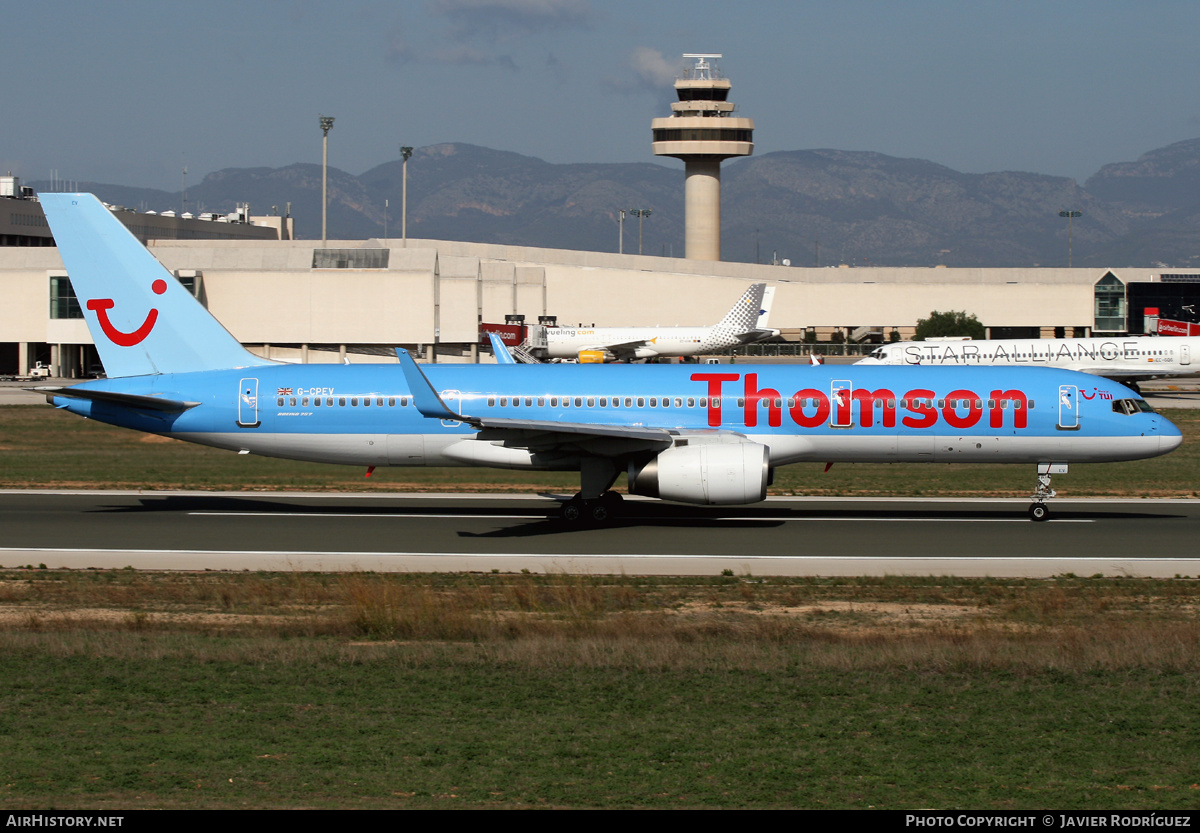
<point x="101" y="306"/>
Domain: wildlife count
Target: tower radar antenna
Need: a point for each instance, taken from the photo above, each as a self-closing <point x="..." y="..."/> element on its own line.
<point x="703" y="71"/>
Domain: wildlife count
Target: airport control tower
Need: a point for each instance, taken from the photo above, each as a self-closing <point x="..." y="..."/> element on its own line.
<point x="701" y="131"/>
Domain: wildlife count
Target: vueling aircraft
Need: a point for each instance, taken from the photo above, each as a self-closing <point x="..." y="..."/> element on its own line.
<point x="745" y="323"/>
<point x="695" y="434"/>
<point x="1122" y="359"/>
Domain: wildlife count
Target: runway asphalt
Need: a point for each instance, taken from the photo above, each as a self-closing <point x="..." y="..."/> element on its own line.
<point x="436" y="533"/>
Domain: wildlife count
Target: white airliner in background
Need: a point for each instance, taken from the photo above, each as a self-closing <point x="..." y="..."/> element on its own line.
<point x="746" y="323"/>
<point x="1122" y="359"/>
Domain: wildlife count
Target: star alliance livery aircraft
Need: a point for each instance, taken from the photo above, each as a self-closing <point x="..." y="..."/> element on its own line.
<point x="1123" y="359"/>
<point x="695" y="434"/>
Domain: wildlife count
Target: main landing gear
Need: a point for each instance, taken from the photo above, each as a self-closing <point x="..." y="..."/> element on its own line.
<point x="595" y="502"/>
<point x="1038" y="510"/>
<point x="599" y="511"/>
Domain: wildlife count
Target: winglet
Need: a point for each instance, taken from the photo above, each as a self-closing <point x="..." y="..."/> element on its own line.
<point x="424" y="396"/>
<point x="500" y="350"/>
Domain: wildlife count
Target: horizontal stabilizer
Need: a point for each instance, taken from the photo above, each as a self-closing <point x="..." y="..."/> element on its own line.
<point x="127" y="400"/>
<point x="752" y="336"/>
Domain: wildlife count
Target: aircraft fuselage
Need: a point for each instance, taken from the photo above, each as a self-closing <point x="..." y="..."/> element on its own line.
<point x="366" y="414"/>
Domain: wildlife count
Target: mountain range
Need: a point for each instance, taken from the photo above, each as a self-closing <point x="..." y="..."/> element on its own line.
<point x="813" y="207"/>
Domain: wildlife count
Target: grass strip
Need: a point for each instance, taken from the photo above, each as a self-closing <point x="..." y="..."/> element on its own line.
<point x="130" y="689"/>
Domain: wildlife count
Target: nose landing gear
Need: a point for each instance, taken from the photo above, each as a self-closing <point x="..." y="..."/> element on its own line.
<point x="1038" y="510"/>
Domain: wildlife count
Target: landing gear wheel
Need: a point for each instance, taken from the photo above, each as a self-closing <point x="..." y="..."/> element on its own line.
<point x="1039" y="512"/>
<point x="572" y="510"/>
<point x="599" y="511"/>
<point x="613" y="501"/>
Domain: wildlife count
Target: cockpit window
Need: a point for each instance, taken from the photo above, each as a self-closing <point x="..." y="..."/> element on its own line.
<point x="1131" y="406"/>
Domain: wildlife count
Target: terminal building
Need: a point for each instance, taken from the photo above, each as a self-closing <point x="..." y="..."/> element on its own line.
<point x="22" y="222"/>
<point x="357" y="300"/>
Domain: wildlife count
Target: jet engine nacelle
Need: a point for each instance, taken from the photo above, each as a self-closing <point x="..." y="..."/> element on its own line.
<point x="705" y="473"/>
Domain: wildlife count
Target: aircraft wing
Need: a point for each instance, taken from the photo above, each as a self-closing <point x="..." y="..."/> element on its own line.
<point x="623" y="350"/>
<point x="532" y="433"/>
<point x="601" y="440"/>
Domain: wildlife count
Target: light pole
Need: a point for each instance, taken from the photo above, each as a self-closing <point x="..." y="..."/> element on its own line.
<point x="405" y="152"/>
<point x="1070" y="215"/>
<point x="641" y="214"/>
<point x="326" y="126"/>
<point x="620" y="231"/>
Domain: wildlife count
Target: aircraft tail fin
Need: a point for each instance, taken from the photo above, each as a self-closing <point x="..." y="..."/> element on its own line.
<point x="764" y="314"/>
<point x="745" y="312"/>
<point x="141" y="318"/>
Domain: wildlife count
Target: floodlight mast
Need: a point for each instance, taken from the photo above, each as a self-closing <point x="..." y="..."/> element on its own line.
<point x="641" y="214"/>
<point x="326" y="126"/>
<point x="405" y="152"/>
<point x="1070" y="214"/>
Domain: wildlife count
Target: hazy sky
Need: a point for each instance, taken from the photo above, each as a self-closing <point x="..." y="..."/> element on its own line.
<point x="128" y="91"/>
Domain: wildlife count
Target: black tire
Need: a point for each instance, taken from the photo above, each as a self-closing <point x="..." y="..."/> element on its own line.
<point x="1039" y="512"/>
<point x="571" y="511"/>
<point x="612" y="500"/>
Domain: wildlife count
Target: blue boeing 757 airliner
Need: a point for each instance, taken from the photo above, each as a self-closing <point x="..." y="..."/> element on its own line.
<point x="695" y="434"/>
